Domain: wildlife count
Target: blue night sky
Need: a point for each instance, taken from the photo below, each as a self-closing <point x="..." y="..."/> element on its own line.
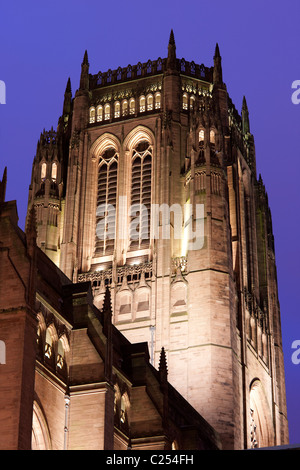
<point x="42" y="44"/>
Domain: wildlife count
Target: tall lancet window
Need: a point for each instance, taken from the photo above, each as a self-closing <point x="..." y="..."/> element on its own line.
<point x="106" y="203"/>
<point x="140" y="196"/>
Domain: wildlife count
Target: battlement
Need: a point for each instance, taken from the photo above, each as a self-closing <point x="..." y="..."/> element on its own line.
<point x="148" y="69"/>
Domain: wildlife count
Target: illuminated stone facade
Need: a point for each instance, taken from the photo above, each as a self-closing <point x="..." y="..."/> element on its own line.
<point x="159" y="133"/>
<point x="69" y="379"/>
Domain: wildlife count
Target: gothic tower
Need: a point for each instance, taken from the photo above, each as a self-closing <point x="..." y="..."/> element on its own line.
<point x="156" y="196"/>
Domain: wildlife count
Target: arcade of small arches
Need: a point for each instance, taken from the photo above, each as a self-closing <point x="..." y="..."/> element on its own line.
<point x="189" y="99"/>
<point x="52" y="348"/>
<point x="125" y="108"/>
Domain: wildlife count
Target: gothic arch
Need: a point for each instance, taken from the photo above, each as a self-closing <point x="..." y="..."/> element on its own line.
<point x="105" y="200"/>
<point x="40" y="439"/>
<point x="261" y="433"/>
<point x="137" y="135"/>
<point x="104" y="142"/>
<point x="138" y="147"/>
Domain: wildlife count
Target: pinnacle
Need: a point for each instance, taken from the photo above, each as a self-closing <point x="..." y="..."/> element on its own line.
<point x="245" y="103"/>
<point x="3" y="186"/>
<point x="85" y="58"/>
<point x="4" y="179"/>
<point x="107" y="302"/>
<point x="172" y="39"/>
<point x="68" y="87"/>
<point x="217" y="51"/>
<point x="163" y="361"/>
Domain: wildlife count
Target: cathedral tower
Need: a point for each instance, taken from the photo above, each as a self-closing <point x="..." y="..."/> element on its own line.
<point x="157" y="198"/>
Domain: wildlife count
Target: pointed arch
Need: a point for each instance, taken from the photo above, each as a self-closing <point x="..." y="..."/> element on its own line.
<point x="138" y="145"/>
<point x="137" y="135"/>
<point x="105" y="151"/>
<point x="261" y="432"/>
<point x="40" y="439"/>
<point x="104" y="142"/>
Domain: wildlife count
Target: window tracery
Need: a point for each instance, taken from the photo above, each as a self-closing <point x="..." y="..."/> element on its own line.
<point x="99" y="113"/>
<point x="141" y="195"/>
<point x="43" y="171"/>
<point x="106" y="202"/>
<point x="92" y="115"/>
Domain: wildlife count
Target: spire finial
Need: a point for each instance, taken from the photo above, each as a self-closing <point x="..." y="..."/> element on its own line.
<point x="68" y="87"/>
<point x="68" y="98"/>
<point x="3" y="186"/>
<point x="163" y="369"/>
<point x="217" y="73"/>
<point x="217" y="51"/>
<point x="171" y="60"/>
<point x="84" y="78"/>
<point x="172" y="39"/>
<point x="245" y="117"/>
<point x="106" y="309"/>
<point x="85" y="59"/>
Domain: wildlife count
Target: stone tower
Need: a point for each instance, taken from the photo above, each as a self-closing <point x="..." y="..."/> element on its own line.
<point x="156" y="196"/>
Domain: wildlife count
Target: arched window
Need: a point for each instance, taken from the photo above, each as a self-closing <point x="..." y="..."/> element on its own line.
<point x="99" y="79"/>
<point x="132" y="106"/>
<point x="140" y="195"/>
<point x="92" y="115"/>
<point x="60" y="354"/>
<point x="107" y="112"/>
<point x="123" y="410"/>
<point x="125" y="108"/>
<point x="48" y="344"/>
<point x="117" y="110"/>
<point x="185" y="101"/>
<point x="54" y="171"/>
<point x="149" y="66"/>
<point x="192" y="102"/>
<point x="149" y="102"/>
<point x="129" y="71"/>
<point x="99" y="113"/>
<point x="106" y="202"/>
<point x="157" y="101"/>
<point x="43" y="171"/>
<point x="201" y="136"/>
<point x="212" y="137"/>
<point x="142" y="104"/>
